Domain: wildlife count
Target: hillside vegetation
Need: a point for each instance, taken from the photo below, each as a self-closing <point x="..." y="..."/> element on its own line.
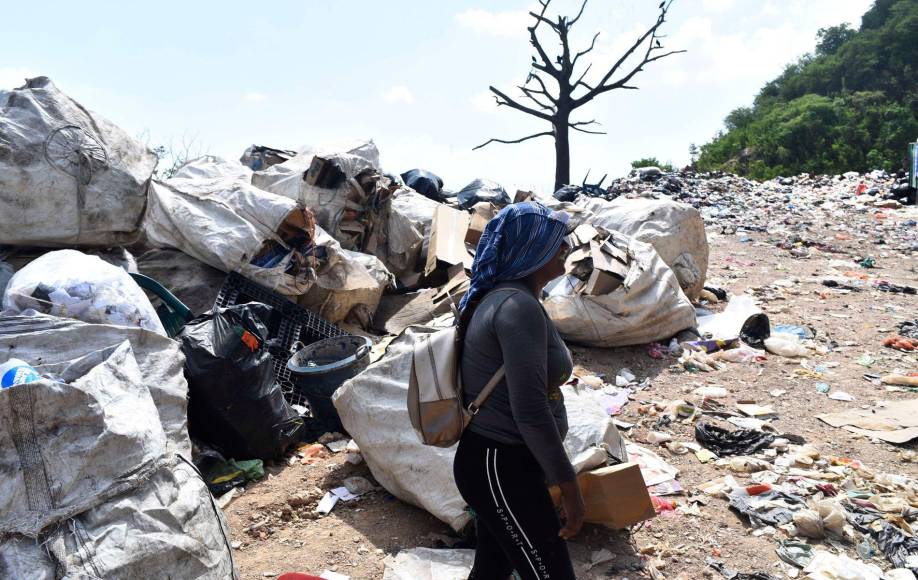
<point x="852" y="104"/>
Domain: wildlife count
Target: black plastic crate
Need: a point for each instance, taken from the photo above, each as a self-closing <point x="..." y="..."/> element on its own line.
<point x="289" y="323"/>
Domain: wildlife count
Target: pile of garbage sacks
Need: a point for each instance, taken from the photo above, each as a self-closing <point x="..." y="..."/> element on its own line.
<point x="129" y="302"/>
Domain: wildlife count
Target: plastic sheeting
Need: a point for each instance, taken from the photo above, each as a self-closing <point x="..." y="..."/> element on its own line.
<point x="225" y="223"/>
<point x="71" y="284"/>
<point x="482" y="190"/>
<point x="675" y="230"/>
<point x="373" y="410"/>
<point x="410" y="220"/>
<point x="67" y="176"/>
<point x="648" y="306"/>
<point x="101" y="490"/>
<point x="429" y="564"/>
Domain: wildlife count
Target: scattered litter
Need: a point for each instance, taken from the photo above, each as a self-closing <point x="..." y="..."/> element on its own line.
<point x="841" y="396"/>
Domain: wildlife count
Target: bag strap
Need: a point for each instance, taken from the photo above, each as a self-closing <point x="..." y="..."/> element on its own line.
<point x="475" y="405"/>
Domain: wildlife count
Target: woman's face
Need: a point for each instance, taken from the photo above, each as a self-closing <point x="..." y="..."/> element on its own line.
<point x="555" y="267"/>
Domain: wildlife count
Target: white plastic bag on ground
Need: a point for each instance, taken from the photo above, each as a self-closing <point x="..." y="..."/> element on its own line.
<point x="74" y="285"/>
<point x="67" y="176"/>
<point x="373" y="410"/>
<point x="675" y="230"/>
<point x="429" y="564"/>
<point x="226" y="223"/>
<point x="649" y="305"/>
<point x="51" y="344"/>
<point x="727" y="325"/>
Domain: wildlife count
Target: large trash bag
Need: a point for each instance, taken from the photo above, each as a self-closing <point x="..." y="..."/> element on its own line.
<point x="211" y="212"/>
<point x="98" y="492"/>
<point x="648" y="306"/>
<point x="68" y="177"/>
<point x="426" y="183"/>
<point x="675" y="230"/>
<point x="72" y="284"/>
<point x="58" y="342"/>
<point x="483" y="190"/>
<point x="235" y="403"/>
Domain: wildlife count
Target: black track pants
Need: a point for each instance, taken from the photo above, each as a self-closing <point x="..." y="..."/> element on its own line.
<point x="516" y="520"/>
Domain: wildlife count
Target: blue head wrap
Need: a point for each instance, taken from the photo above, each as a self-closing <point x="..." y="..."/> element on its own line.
<point x="520" y="239"/>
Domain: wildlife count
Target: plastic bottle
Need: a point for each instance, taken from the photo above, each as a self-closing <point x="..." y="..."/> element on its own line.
<point x="16" y="372"/>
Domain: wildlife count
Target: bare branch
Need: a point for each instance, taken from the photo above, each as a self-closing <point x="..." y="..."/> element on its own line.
<point x="583" y="52"/>
<point x="510" y="141"/>
<point x="580" y="80"/>
<point x="541" y="18"/>
<point x="503" y="99"/>
<point x="579" y="14"/>
<point x="604" y="85"/>
<point x="546" y="65"/>
<point x="620" y="84"/>
<point x="587" y="131"/>
<point x="577" y="126"/>
<point x="544" y="90"/>
<point x="531" y="95"/>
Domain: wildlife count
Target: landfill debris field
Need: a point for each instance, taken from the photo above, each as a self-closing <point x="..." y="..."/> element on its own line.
<point x="211" y="374"/>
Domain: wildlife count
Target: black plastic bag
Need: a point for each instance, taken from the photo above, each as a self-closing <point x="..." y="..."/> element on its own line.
<point x="567" y="193"/>
<point x="755" y="330"/>
<point x="235" y="403"/>
<point x="425" y="183"/>
<point x="483" y="190"/>
<point x="737" y="442"/>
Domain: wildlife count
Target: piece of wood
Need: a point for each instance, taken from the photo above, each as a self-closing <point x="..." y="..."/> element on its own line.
<point x="396" y="312"/>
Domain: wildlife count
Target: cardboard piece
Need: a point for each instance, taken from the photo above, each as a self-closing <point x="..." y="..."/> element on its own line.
<point x="897" y="423"/>
<point x="447" y="239"/>
<point x="396" y="312"/>
<point x="600" y="283"/>
<point x="615" y="496"/>
<point x="482" y="213"/>
<point x="452" y="292"/>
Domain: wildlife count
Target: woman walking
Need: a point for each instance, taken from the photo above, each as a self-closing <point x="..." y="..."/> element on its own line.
<point x="512" y="449"/>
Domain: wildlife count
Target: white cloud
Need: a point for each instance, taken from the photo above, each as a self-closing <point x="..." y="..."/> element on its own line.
<point x="717" y="6"/>
<point x="398" y="94"/>
<point x="14" y="77"/>
<point x="255" y="97"/>
<point x="507" y="23"/>
<point x="484" y="101"/>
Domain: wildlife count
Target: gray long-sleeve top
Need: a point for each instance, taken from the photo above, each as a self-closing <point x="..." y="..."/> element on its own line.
<point x="511" y="328"/>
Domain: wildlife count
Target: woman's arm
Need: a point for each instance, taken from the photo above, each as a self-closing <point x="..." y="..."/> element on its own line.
<point x="522" y="332"/>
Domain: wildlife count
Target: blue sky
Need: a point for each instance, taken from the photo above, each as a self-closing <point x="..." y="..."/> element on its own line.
<point x="413" y="76"/>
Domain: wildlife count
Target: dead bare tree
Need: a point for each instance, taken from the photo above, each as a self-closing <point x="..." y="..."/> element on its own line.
<point x="556" y="108"/>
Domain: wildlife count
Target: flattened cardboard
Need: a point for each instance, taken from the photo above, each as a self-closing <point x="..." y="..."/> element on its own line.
<point x="482" y="213"/>
<point x="897" y="423"/>
<point x="447" y="239"/>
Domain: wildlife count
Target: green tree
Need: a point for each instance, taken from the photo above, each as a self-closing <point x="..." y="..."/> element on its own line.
<point x="851" y="105"/>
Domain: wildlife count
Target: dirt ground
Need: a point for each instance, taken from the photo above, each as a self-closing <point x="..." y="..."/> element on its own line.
<point x="275" y="531"/>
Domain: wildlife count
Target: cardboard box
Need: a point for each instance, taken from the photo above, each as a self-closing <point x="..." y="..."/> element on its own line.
<point x="447" y="239"/>
<point x="482" y="213"/>
<point x="615" y="496"/>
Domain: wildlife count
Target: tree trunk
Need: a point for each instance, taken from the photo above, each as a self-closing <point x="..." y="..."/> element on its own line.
<point x="562" y="151"/>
